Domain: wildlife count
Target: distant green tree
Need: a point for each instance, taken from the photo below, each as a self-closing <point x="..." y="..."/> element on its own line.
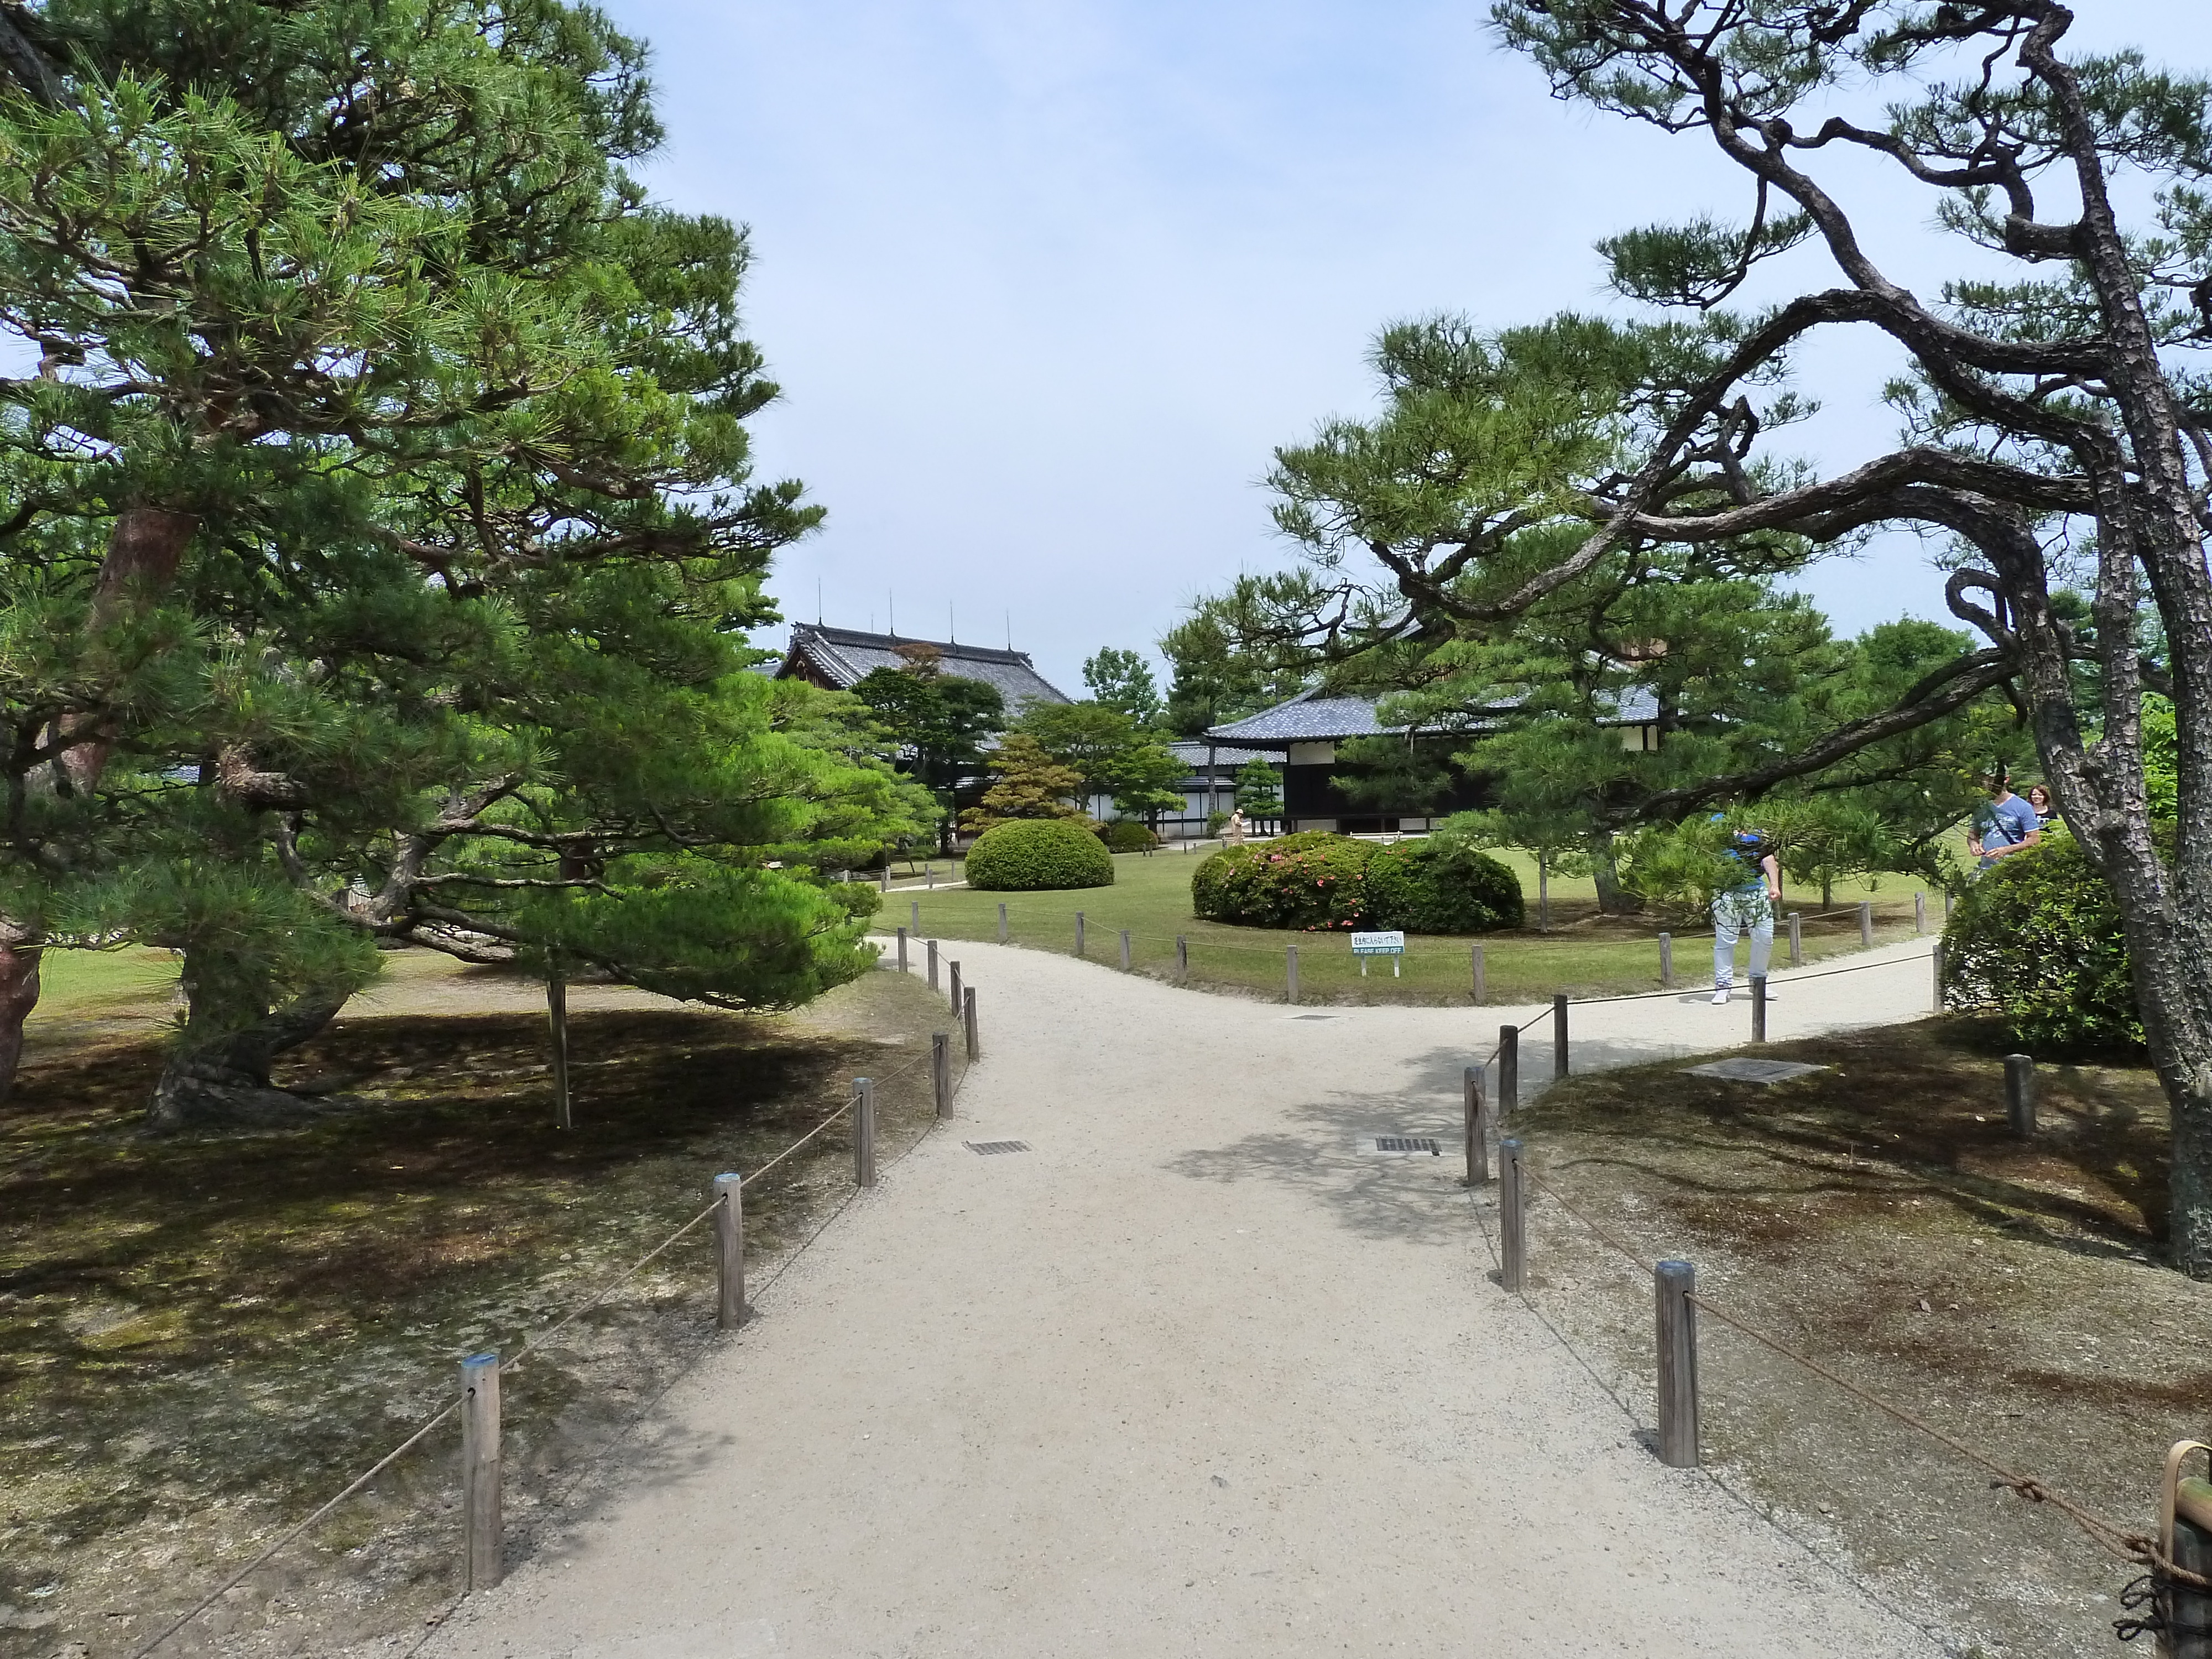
<point x="1259" y="791"/>
<point x="1113" y="755"/>
<point x="1218" y="675"/>
<point x="1123" y="680"/>
<point x="1026" y="783"/>
<point x="939" y="722"/>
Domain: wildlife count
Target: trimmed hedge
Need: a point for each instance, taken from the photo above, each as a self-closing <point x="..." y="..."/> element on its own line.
<point x="1436" y="887"/>
<point x="2037" y="940"/>
<point x="1126" y="836"/>
<point x="1316" y="880"/>
<point x="1311" y="880"/>
<point x="1028" y="855"/>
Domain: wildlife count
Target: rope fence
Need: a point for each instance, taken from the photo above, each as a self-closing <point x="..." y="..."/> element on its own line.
<point x="481" y="1513"/>
<point x="1679" y="1405"/>
<point x="1469" y="961"/>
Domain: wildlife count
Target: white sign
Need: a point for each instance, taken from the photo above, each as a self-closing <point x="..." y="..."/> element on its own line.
<point x="1378" y="945"/>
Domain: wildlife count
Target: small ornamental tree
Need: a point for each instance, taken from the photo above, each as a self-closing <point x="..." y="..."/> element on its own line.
<point x="1259" y="791"/>
<point x="1025" y="783"/>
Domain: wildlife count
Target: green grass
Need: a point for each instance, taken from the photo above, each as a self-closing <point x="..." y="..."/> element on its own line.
<point x="87" y="982"/>
<point x="1585" y="953"/>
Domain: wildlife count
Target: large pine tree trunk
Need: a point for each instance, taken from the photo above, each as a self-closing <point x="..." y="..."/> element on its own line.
<point x="19" y="994"/>
<point x="143" y="553"/>
<point x="223" y="1083"/>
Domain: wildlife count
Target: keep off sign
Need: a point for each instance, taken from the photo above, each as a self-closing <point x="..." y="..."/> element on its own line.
<point x="1390" y="944"/>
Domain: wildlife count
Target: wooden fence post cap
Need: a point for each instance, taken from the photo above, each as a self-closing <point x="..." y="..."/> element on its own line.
<point x="476" y="1363"/>
<point x="728" y="1178"/>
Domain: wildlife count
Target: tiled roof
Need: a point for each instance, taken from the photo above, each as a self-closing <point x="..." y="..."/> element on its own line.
<point x="1193" y="754"/>
<point x="844" y="656"/>
<point x="1306" y="718"/>
<point x="1309" y="718"/>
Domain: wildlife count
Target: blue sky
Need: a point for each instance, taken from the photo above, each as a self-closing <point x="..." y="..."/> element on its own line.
<point x="1045" y="283"/>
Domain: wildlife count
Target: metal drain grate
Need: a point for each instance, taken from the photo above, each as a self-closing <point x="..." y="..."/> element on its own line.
<point x="987" y="1148"/>
<point x="1408" y="1143"/>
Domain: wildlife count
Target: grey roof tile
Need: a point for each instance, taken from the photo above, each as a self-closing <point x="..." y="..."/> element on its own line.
<point x="845" y="656"/>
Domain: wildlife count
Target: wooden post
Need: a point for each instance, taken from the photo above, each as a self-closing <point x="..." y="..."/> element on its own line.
<point x="1293" y="982"/>
<point x="967" y="1020"/>
<point x="1480" y="975"/>
<point x="2185" y="1533"/>
<point x="1797" y="938"/>
<point x="2020" y="1094"/>
<point x="1666" y="961"/>
<point x="1512" y="1216"/>
<point x="901" y="954"/>
<point x="1079" y="932"/>
<point x="864" y="1132"/>
<point x="482" y="1526"/>
<point x="953" y="979"/>
<point x="1558" y="1035"/>
<point x="886" y="883"/>
<point x="1758" y="1007"/>
<point x="932" y="965"/>
<point x="1866" y="924"/>
<point x="1478" y="1129"/>
<point x="1509" y="1069"/>
<point x="730" y="1251"/>
<point x="914" y="918"/>
<point x="929" y="873"/>
<point x="1183" y="957"/>
<point x="1002" y="924"/>
<point x="1678" y="1366"/>
<point x="1125" y="949"/>
<point x="940" y="1070"/>
<point x="1936" y="958"/>
<point x="1920" y="912"/>
<point x="557" y="1011"/>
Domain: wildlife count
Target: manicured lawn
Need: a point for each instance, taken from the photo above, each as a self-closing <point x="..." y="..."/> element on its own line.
<point x="76" y="981"/>
<point x="1584" y="953"/>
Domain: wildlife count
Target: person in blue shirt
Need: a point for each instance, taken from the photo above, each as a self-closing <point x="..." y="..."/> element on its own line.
<point x="1745" y="906"/>
<point x="2007" y="826"/>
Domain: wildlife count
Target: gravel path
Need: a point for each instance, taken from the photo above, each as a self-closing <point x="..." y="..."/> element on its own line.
<point x="1193" y="1375"/>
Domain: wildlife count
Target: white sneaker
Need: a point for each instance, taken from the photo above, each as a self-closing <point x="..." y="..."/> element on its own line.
<point x="1720" y="996"/>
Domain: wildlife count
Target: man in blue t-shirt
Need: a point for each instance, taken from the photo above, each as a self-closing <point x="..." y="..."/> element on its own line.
<point x="2009" y="825"/>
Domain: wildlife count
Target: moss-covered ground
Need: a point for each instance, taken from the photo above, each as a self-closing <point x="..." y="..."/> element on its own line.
<point x="202" y="1337"/>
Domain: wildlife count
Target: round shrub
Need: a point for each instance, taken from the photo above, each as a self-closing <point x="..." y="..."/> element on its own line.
<point x="2037" y="940"/>
<point x="1126" y="836"/>
<point x="1311" y="880"/>
<point x="1436" y="887"/>
<point x="1028" y="855"/>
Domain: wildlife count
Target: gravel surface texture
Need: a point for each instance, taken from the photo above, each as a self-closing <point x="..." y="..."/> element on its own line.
<point x="1197" y="1373"/>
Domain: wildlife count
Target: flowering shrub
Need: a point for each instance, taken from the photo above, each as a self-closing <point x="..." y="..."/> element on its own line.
<point x="1314" y="880"/>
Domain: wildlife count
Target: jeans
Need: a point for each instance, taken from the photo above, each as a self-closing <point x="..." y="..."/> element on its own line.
<point x="1742" y="910"/>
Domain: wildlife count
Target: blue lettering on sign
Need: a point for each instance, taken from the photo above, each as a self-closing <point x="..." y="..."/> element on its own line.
<point x="1378" y="945"/>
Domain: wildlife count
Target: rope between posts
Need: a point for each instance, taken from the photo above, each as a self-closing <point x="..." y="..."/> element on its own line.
<point x="258" y="1561"/>
<point x="2139" y="1549"/>
<point x="422" y="1431"/>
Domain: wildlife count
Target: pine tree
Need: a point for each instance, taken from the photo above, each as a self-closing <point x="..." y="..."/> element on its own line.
<point x="378" y="536"/>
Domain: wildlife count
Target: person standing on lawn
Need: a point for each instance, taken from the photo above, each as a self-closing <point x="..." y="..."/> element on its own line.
<point x="1746" y="905"/>
<point x="2008" y="825"/>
